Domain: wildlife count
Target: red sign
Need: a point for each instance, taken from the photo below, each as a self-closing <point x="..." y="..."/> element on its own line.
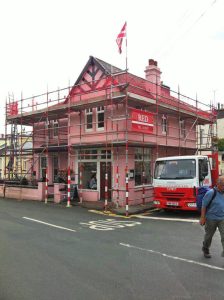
<point x="12" y="109"/>
<point x="142" y="121"/>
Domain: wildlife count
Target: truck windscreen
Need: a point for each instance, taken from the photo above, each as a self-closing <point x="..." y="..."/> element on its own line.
<point x="175" y="169"/>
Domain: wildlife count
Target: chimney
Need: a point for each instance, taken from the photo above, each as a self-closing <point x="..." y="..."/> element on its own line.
<point x="152" y="72"/>
<point x="153" y="75"/>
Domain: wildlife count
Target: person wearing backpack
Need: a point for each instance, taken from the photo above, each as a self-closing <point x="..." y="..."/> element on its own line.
<point x="212" y="216"/>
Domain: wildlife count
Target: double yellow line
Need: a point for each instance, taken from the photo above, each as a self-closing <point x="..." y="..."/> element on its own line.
<point x="110" y="214"/>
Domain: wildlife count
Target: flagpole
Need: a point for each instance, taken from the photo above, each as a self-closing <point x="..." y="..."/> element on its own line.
<point x="126" y="130"/>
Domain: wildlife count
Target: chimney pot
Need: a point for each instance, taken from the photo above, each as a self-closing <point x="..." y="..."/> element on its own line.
<point x="152" y="62"/>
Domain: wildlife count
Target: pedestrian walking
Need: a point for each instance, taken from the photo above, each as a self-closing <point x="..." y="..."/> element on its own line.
<point x="212" y="216"/>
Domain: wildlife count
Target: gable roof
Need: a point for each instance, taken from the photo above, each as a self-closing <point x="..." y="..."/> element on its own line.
<point x="108" y="67"/>
<point x="105" y="67"/>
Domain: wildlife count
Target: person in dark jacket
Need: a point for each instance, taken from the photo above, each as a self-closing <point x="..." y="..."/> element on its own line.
<point x="93" y="183"/>
<point x="213" y="217"/>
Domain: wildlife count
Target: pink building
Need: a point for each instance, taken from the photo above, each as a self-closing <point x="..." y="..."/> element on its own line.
<point x="110" y="125"/>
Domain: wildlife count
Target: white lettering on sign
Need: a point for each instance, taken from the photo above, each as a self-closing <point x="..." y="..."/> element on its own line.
<point x="142" y="121"/>
<point x="109" y="224"/>
<point x="143" y="118"/>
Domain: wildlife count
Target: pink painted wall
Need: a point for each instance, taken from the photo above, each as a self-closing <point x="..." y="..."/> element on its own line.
<point x="90" y="196"/>
<point x="59" y="194"/>
<point x="22" y="193"/>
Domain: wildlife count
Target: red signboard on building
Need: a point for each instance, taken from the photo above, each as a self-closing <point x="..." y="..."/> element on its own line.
<point x="12" y="109"/>
<point x="142" y="121"/>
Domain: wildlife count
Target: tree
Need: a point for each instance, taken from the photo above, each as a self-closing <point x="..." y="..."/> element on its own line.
<point x="221" y="144"/>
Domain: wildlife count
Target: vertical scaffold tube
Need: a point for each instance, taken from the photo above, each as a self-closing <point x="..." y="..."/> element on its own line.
<point x="69" y="188"/>
<point x="143" y="172"/>
<point x="69" y="151"/>
<point x="47" y="143"/>
<point x="127" y="191"/>
<point x="117" y="184"/>
<point x="80" y="182"/>
<point x="106" y="190"/>
<point x="46" y="184"/>
<point x="143" y="187"/>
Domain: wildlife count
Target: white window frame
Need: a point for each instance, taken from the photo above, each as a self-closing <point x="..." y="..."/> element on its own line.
<point x="201" y="137"/>
<point x="88" y="112"/>
<point x="41" y="167"/>
<point x="48" y="129"/>
<point x="24" y="165"/>
<point x="164" y="125"/>
<point x="55" y="128"/>
<point x="182" y="128"/>
<point x="100" y="110"/>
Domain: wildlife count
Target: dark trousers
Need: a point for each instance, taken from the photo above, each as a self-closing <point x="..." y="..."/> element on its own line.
<point x="210" y="228"/>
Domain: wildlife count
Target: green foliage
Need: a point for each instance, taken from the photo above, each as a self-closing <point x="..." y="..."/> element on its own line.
<point x="221" y="144"/>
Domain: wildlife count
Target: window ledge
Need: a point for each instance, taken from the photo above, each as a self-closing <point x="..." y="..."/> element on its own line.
<point x="100" y="129"/>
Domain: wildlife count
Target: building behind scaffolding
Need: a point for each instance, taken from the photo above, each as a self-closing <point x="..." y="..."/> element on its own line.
<point x="110" y="125"/>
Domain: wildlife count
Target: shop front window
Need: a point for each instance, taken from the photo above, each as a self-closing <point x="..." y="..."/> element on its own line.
<point x="142" y="164"/>
<point x="90" y="163"/>
<point x="88" y="174"/>
<point x="55" y="167"/>
<point x="43" y="166"/>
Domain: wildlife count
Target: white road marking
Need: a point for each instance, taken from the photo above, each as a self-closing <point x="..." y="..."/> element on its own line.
<point x="48" y="224"/>
<point x="174" y="257"/>
<point x="110" y="224"/>
<point x="168" y="219"/>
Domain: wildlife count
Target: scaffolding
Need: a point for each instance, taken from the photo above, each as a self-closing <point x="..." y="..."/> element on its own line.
<point x="62" y="122"/>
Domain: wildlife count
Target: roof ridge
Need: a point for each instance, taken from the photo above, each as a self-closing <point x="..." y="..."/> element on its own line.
<point x="107" y="66"/>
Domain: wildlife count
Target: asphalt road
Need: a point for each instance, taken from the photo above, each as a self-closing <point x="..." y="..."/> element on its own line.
<point x="53" y="252"/>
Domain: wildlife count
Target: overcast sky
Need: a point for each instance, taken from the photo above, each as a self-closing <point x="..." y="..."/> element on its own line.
<point x="47" y="43"/>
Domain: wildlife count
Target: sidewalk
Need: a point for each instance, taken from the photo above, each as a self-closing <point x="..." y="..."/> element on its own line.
<point x="133" y="209"/>
<point x="99" y="205"/>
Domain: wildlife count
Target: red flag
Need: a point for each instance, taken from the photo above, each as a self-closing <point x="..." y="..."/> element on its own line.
<point x="120" y="37"/>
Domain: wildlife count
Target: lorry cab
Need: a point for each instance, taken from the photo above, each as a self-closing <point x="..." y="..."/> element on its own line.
<point x="177" y="178"/>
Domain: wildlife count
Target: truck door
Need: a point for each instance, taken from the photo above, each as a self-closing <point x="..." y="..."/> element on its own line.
<point x="204" y="174"/>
